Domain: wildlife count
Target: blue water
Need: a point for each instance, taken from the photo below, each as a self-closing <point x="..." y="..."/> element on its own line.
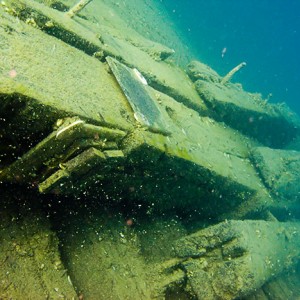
<point x="263" y="33"/>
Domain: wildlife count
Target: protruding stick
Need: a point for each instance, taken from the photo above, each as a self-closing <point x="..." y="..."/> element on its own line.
<point x="228" y="76"/>
<point x="77" y="8"/>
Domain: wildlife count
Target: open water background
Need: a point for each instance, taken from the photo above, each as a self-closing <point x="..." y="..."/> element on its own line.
<point x="263" y="33"/>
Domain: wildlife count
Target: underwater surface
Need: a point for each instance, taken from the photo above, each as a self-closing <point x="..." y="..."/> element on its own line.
<point x="137" y="161"/>
<point x="263" y="33"/>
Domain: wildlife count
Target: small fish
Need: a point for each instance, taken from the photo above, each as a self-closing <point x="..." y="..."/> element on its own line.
<point x="223" y="52"/>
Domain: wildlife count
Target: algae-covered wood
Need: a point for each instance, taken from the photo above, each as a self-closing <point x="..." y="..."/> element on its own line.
<point x="168" y="78"/>
<point x="114" y="176"/>
<point x="249" y="113"/>
<point x="58" y="77"/>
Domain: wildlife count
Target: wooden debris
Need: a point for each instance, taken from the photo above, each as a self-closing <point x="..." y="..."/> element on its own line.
<point x="228" y="76"/>
<point x="77" y="8"/>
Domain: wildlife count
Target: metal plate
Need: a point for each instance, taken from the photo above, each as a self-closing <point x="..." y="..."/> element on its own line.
<point x="133" y="84"/>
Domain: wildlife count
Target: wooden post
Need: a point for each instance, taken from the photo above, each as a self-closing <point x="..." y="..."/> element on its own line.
<point x="77" y="8"/>
<point x="228" y="76"/>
